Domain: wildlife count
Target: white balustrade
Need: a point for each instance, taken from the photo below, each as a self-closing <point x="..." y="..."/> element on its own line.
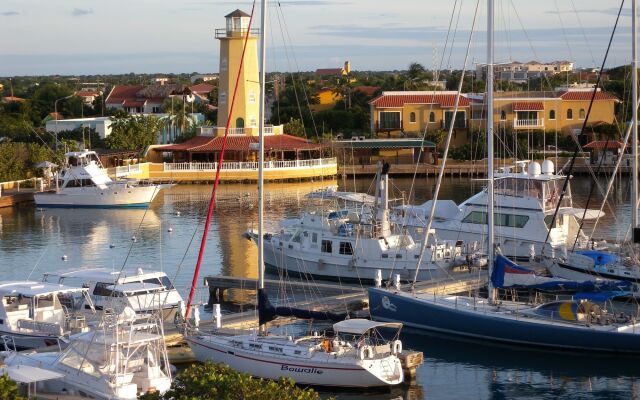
<point x="527" y="123"/>
<point x="248" y="166"/>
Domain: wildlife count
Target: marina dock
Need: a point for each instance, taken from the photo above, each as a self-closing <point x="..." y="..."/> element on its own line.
<point x="18" y="192"/>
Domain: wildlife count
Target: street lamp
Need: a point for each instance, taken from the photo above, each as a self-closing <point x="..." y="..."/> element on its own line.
<point x="55" y="114"/>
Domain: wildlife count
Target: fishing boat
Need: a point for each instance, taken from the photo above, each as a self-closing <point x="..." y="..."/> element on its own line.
<point x="354" y="356"/>
<point x="352" y="245"/>
<point x="35" y="314"/>
<point x="143" y="291"/>
<point x="83" y="182"/>
<point x="576" y="324"/>
<point x="123" y="358"/>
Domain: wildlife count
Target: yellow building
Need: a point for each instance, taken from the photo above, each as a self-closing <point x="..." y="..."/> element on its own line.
<point x="563" y="110"/>
<point x="411" y="113"/>
<point x="232" y="39"/>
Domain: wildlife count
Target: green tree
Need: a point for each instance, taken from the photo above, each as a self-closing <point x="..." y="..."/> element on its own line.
<point x="8" y="389"/>
<point x="295" y="127"/>
<point x="133" y="132"/>
<point x="219" y="382"/>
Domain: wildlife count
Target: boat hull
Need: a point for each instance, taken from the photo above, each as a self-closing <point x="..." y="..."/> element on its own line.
<point x="93" y="197"/>
<point x="564" y="270"/>
<point x="302" y="371"/>
<point x="428" y="315"/>
<point x="278" y="262"/>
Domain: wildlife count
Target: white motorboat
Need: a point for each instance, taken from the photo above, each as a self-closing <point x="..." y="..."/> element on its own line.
<point x="83" y="182"/>
<point x="350" y="246"/>
<point x="123" y="358"/>
<point x="354" y="357"/>
<point x="35" y="314"/>
<point x="525" y="202"/>
<point x="143" y="291"/>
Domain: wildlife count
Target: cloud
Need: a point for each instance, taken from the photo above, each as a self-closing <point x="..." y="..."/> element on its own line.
<point x="278" y="3"/>
<point x="80" y="12"/>
<point x="8" y="13"/>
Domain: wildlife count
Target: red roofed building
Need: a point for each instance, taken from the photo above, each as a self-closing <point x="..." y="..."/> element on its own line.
<point x="411" y="113"/>
<point x="141" y="99"/>
<point x="87" y="96"/>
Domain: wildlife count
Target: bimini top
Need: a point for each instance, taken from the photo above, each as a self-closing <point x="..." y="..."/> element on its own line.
<point x="34" y="289"/>
<point x="360" y="326"/>
<point x="107" y="275"/>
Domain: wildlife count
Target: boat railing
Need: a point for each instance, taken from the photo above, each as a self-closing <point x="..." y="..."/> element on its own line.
<point x="243" y="165"/>
<point x="128" y="170"/>
<point x="40" y="326"/>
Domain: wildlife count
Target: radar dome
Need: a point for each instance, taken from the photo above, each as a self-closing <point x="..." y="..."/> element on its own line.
<point x="547" y="167"/>
<point x="534" y="168"/>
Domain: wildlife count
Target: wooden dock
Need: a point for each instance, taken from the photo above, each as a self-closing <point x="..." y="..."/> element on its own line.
<point x="15" y="198"/>
<point x="14" y="193"/>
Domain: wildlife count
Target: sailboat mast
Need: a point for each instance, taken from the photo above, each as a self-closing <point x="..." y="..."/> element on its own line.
<point x="634" y="114"/>
<point x="261" y="113"/>
<point x="489" y="96"/>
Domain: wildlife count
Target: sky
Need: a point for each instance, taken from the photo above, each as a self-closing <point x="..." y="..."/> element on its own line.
<point x="82" y="37"/>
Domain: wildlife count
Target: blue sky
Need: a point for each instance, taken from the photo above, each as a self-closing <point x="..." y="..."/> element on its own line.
<point x="146" y="36"/>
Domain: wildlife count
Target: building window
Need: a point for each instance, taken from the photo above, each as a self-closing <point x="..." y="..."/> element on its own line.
<point x="581" y="113"/>
<point x="253" y="121"/>
<point x="569" y="114"/>
<point x="508" y="220"/>
<point x="239" y="123"/>
<point x="552" y="114"/>
<point x="314" y="237"/>
<point x="223" y="64"/>
<point x="252" y="96"/>
<point x="503" y="115"/>
<point x="432" y="117"/>
<point x="390" y="120"/>
<point x="326" y="247"/>
<point x="345" y="248"/>
<point x="155" y="109"/>
<point x="461" y="119"/>
<point x="223" y="98"/>
<point x="412" y="117"/>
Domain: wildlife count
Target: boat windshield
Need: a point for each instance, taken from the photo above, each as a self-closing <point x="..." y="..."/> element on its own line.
<point x="547" y="192"/>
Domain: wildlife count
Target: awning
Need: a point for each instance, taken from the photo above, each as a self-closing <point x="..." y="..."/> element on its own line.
<point x="579" y="213"/>
<point x="360" y="326"/>
<point x="29" y="374"/>
<point x="602" y="144"/>
<point x="528" y="106"/>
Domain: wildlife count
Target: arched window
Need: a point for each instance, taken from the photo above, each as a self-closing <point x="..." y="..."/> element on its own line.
<point x="503" y="115"/>
<point x="552" y="114"/>
<point x="581" y="113"/>
<point x="432" y="117"/>
<point x="239" y="123"/>
<point x="412" y="117"/>
<point x="570" y="114"/>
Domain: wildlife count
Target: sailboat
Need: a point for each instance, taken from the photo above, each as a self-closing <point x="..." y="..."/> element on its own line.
<point x="575" y="324"/>
<point x="355" y="356"/>
<point x="603" y="264"/>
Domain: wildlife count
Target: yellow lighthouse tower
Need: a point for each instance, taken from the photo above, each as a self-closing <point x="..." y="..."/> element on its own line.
<point x="245" y="111"/>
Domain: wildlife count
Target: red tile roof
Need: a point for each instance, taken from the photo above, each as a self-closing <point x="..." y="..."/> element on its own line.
<point x="202" y="88"/>
<point x="368" y="90"/>
<point x="87" y="93"/>
<point x="9" y="99"/>
<point x="120" y="93"/>
<point x="242" y="143"/>
<point x="601" y="144"/>
<point x="133" y="103"/>
<point x="329" y="71"/>
<point x="586" y="95"/>
<point x="528" y="106"/>
<point x="399" y="100"/>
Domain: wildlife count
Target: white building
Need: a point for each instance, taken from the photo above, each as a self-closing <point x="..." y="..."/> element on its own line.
<point x="102" y="125"/>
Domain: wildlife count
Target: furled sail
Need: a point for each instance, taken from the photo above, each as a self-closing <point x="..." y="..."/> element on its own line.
<point x="268" y="312"/>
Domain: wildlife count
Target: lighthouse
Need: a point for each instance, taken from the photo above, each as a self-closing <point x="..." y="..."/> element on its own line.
<point x="232" y="41"/>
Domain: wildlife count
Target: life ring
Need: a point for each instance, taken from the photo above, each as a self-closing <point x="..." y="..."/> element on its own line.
<point x="397" y="347"/>
<point x="365" y="352"/>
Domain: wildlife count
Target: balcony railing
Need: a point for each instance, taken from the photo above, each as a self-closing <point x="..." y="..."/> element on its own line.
<point x="235" y="33"/>
<point x="249" y="166"/>
<point x="127" y="170"/>
<point x="219" y="130"/>
<point x="383" y="127"/>
<point x="528" y="123"/>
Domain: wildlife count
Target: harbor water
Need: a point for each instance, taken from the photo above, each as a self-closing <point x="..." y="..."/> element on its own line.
<point x="167" y="237"/>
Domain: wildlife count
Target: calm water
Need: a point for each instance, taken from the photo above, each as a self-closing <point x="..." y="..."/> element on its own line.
<point x="168" y="236"/>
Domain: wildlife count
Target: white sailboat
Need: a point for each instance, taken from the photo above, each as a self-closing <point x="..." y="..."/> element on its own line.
<point x="123" y="358"/>
<point x="354" y="357"/>
<point x="577" y="324"/>
<point x="83" y="182"/>
<point x="603" y="264"/>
